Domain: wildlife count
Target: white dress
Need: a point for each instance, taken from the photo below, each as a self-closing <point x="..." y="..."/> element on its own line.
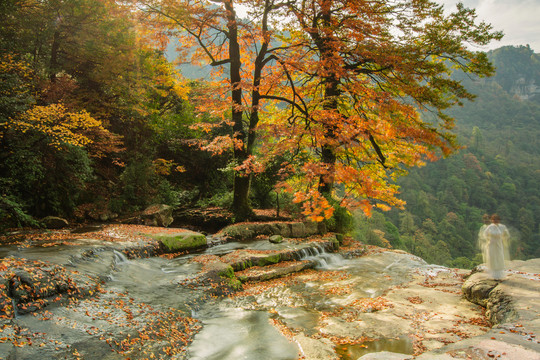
<point x="496" y="237"/>
<point x="482" y="242"/>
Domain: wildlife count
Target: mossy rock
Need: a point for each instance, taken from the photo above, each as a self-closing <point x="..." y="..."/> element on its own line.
<point x="239" y="232"/>
<point x="235" y="284"/>
<point x="54" y="222"/>
<point x="219" y="269"/>
<point x="333" y="242"/>
<point x="227" y="272"/>
<point x="276" y="239"/>
<point x="322" y="228"/>
<point x="245" y="264"/>
<point x="282" y="229"/>
<point x="311" y="228"/>
<point x="157" y="215"/>
<point x="245" y="231"/>
<point x="181" y="241"/>
<point x="269" y="260"/>
<point x="298" y="230"/>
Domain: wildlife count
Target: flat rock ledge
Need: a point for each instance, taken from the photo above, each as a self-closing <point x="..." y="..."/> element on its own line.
<point x="273" y="271"/>
<point x="28" y="286"/>
<point x="241" y="266"/>
<point x="247" y="231"/>
<point x="512" y="305"/>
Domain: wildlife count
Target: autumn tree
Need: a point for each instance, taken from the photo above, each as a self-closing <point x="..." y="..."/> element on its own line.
<point x="64" y="66"/>
<point x="44" y="164"/>
<point x="212" y="33"/>
<point x="360" y="73"/>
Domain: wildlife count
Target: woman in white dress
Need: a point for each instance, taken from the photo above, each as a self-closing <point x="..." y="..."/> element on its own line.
<point x="482" y="241"/>
<point x="496" y="236"/>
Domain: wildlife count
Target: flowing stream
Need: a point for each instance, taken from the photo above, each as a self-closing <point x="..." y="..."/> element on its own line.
<point x="232" y="328"/>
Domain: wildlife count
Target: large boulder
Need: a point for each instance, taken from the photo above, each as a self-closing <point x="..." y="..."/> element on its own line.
<point x="513" y="308"/>
<point x="246" y="231"/>
<point x="209" y="220"/>
<point x="180" y="241"/>
<point x="298" y="230"/>
<point x="54" y="222"/>
<point x="478" y="288"/>
<point x="157" y="215"/>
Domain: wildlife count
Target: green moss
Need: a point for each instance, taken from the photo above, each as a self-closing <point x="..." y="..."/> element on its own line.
<point x="235" y="284"/>
<point x="276" y="239"/>
<point x="180" y="241"/>
<point x="269" y="260"/>
<point x="246" y="264"/>
<point x="227" y="272"/>
<point x="240" y="231"/>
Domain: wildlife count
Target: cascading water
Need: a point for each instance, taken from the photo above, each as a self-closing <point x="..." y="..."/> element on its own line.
<point x="233" y="328"/>
<point x="323" y="259"/>
<point x="119" y="258"/>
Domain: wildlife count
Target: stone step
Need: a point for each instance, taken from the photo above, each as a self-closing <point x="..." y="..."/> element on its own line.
<point x="281" y="269"/>
<point x="242" y="259"/>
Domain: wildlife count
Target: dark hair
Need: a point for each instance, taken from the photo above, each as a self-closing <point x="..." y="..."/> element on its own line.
<point x="495" y="218"/>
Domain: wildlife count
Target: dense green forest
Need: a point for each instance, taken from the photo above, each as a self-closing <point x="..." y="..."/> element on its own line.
<point x="97" y="123"/>
<point x="497" y="171"/>
<point x="88" y="78"/>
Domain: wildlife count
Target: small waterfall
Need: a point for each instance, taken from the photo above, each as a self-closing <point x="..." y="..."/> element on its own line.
<point x="119" y="258"/>
<point x="323" y="259"/>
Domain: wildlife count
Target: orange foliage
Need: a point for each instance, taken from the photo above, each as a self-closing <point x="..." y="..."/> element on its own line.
<point x="349" y="78"/>
<point x="355" y="75"/>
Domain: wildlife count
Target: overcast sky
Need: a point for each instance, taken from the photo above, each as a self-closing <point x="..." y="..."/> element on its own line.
<point x="518" y="19"/>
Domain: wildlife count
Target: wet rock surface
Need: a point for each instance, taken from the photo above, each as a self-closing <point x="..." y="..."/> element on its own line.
<point x="512" y="305"/>
<point x="29" y="286"/>
<point x="382" y="301"/>
<point x="115" y="293"/>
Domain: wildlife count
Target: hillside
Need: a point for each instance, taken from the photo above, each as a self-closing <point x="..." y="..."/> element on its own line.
<point x="497" y="171"/>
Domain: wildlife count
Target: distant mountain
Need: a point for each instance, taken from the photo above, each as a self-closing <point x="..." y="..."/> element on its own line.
<point x="498" y="171"/>
<point x="188" y="70"/>
<point x="518" y="71"/>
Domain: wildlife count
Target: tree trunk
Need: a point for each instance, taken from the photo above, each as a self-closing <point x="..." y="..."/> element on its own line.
<point x="53" y="61"/>
<point x="328" y="151"/>
<point x="240" y="207"/>
<point x="331" y="93"/>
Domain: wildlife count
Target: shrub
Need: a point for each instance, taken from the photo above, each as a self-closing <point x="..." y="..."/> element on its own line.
<point x="13" y="214"/>
<point x="223" y="200"/>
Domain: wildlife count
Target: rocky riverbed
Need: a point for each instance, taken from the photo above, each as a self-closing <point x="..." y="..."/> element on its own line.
<point x="144" y="292"/>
